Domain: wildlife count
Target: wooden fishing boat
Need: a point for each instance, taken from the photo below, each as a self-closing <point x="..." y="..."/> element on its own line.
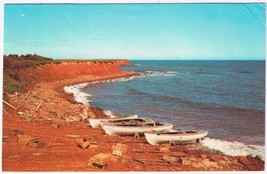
<point x="130" y="121"/>
<point x="177" y="137"/>
<point x="95" y="122"/>
<point x="133" y="129"/>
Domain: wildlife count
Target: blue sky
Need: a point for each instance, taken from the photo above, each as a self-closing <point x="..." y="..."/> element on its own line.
<point x="137" y="31"/>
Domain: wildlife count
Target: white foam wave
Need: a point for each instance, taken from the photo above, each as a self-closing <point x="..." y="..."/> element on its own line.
<point x="110" y="114"/>
<point x="234" y="148"/>
<point x="83" y="97"/>
<point x="142" y="75"/>
<point x="79" y="96"/>
<point x="159" y="73"/>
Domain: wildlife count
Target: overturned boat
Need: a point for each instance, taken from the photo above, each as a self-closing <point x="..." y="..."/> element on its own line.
<point x="95" y="122"/>
<point x="133" y="129"/>
<point x="176" y="137"/>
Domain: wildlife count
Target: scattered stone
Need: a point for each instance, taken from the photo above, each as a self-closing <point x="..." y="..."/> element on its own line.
<point x="245" y="161"/>
<point x="203" y="156"/>
<point x="258" y="158"/>
<point x="83" y="143"/>
<point x="213" y="158"/>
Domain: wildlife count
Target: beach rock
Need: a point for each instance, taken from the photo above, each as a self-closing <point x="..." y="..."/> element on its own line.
<point x="257" y="163"/>
<point x="245" y="161"/>
<point x="258" y="158"/>
<point x="214" y="158"/>
<point x="203" y="156"/>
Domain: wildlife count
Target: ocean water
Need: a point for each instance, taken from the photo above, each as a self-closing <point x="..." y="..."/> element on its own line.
<point x="227" y="98"/>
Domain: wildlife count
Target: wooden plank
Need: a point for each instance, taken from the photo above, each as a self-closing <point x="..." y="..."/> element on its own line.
<point x="170" y="159"/>
<point x="151" y="160"/>
<point x="146" y="151"/>
<point x="137" y="160"/>
<point x="38" y="107"/>
<point x="9" y="105"/>
<point x="163" y="164"/>
<point x="72" y="136"/>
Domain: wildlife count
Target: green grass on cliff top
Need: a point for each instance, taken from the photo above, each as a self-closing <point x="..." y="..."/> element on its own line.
<point x="12" y="63"/>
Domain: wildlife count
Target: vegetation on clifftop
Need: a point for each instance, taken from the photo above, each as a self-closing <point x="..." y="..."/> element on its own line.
<point x="13" y="63"/>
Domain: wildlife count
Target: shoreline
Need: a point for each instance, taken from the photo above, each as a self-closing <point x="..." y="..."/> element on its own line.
<point x="62" y="151"/>
<point x="230" y="147"/>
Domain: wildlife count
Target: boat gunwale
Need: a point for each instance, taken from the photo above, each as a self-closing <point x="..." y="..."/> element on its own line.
<point x="132" y="127"/>
<point x="183" y="134"/>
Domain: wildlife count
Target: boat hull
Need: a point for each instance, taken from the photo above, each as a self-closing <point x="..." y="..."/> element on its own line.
<point x="112" y="129"/>
<point x="183" y="138"/>
<point x="95" y="123"/>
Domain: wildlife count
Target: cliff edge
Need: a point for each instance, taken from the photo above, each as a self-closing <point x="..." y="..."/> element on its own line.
<point x="23" y="73"/>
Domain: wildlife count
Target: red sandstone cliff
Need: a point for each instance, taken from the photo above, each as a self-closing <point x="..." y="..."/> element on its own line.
<point x="67" y="70"/>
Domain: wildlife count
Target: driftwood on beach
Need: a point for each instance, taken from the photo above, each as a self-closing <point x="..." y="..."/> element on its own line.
<point x="10" y="105"/>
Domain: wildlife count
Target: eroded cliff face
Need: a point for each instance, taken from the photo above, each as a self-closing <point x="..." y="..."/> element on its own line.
<point x="67" y="70"/>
